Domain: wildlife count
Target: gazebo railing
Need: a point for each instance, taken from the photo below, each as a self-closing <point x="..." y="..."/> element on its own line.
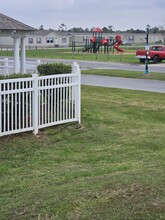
<point x="7" y="66"/>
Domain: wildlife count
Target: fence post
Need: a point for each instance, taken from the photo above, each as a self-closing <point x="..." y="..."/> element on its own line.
<point x="79" y="95"/>
<point x="121" y="57"/>
<point x="108" y="56"/>
<point x="0" y="111"/>
<point x="38" y="63"/>
<point x="6" y="66"/>
<point x="78" y="92"/>
<point x="35" y="103"/>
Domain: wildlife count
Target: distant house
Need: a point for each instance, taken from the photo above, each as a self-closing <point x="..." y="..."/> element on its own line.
<point x="48" y="39"/>
<point x="135" y="38"/>
<point x="40" y="39"/>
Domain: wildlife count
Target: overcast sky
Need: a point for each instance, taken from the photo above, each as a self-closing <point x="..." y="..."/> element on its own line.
<point x="121" y="14"/>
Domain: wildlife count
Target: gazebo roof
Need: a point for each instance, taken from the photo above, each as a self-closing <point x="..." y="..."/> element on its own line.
<point x="7" y="23"/>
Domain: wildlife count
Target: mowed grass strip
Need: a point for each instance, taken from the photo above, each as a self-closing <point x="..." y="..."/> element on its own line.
<point x="66" y="53"/>
<point x="128" y="56"/>
<point x="109" y="167"/>
<point x="125" y="74"/>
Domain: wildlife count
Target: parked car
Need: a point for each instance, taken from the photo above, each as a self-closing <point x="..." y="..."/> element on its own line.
<point x="155" y="53"/>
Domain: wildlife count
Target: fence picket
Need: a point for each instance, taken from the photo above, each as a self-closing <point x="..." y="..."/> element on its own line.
<point x="29" y="104"/>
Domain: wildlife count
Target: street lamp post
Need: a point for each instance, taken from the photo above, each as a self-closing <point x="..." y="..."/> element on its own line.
<point x="147" y="50"/>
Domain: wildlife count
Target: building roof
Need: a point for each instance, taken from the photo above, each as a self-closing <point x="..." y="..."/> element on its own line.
<point x="7" y="23"/>
<point x="47" y="32"/>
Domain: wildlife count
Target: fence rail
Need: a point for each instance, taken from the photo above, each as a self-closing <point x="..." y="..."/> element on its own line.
<point x="29" y="104"/>
<point x="7" y="66"/>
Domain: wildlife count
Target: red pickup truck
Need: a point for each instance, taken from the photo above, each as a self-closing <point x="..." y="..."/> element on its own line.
<point x="156" y="54"/>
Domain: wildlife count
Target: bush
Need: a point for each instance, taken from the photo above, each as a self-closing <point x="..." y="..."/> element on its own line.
<point x="54" y="68"/>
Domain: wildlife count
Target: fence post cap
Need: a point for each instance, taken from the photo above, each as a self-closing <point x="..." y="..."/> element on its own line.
<point x="35" y="75"/>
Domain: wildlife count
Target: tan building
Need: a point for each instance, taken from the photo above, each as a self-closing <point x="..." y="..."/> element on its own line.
<point x="133" y="38"/>
<point x="40" y="39"/>
<point x="50" y="39"/>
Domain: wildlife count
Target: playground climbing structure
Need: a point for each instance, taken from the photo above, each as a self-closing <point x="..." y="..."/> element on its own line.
<point x="98" y="41"/>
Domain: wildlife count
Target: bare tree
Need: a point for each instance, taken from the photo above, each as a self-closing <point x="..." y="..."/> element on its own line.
<point x="41" y="27"/>
<point x="110" y="27"/>
<point x="64" y="27"/>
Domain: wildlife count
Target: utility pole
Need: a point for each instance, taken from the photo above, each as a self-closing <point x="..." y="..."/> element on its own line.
<point x="147" y="50"/>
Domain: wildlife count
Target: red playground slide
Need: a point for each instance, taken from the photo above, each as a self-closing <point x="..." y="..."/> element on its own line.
<point x="118" y="43"/>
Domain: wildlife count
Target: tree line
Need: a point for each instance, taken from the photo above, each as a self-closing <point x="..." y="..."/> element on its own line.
<point x="153" y="30"/>
<point x="63" y="28"/>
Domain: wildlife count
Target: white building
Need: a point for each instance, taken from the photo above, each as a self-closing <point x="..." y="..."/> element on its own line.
<point x="40" y="39"/>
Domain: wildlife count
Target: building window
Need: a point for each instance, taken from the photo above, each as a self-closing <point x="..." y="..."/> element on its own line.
<point x="131" y="38"/>
<point x="64" y="40"/>
<point x="30" y="40"/>
<point x="38" y="40"/>
<point x="49" y="40"/>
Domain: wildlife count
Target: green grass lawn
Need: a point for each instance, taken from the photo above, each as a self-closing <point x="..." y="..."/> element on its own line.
<point x="109" y="167"/>
<point x="125" y="74"/>
<point x="66" y="53"/>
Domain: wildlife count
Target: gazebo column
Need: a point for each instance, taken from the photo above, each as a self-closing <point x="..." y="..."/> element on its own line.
<point x="23" y="55"/>
<point x="16" y="54"/>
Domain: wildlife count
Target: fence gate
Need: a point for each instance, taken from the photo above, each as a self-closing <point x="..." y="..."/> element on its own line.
<point x="28" y="104"/>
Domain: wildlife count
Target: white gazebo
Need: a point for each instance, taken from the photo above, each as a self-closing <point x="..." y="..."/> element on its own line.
<point x="10" y="27"/>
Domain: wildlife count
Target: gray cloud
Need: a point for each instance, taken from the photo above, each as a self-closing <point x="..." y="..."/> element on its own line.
<point x="121" y="14"/>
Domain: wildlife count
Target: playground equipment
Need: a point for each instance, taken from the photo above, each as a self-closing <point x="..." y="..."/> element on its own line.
<point x="118" y="43"/>
<point x="97" y="41"/>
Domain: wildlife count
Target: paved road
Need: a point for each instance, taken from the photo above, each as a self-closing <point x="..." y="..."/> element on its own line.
<point x="122" y="66"/>
<point x="124" y="83"/>
<point x="117" y="82"/>
<point x="110" y="65"/>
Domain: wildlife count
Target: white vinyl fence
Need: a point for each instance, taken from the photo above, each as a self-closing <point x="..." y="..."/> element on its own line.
<point x="7" y="66"/>
<point x="28" y="104"/>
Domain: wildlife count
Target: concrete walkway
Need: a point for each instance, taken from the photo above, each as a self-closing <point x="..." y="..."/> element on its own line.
<point x="124" y="83"/>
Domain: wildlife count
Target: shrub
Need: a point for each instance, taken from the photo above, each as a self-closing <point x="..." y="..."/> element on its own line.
<point x="54" y="68"/>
